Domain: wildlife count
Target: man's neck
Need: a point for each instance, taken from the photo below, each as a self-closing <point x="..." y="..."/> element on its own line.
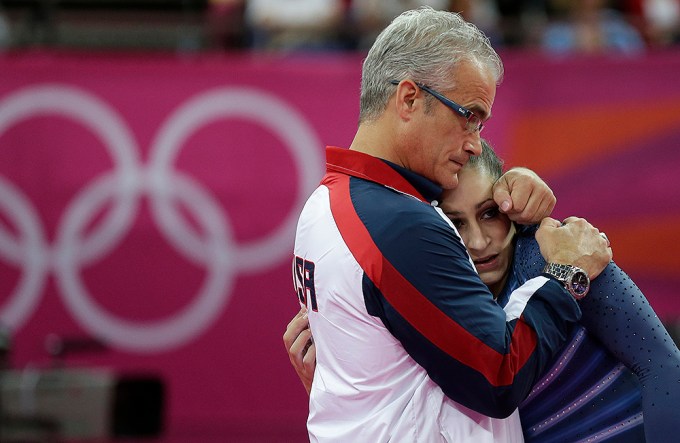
<point x="375" y="139"/>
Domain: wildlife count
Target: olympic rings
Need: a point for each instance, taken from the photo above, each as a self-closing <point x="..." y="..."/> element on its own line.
<point x="164" y="186"/>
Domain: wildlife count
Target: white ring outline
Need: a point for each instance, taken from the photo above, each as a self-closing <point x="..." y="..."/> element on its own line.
<point x="270" y="112"/>
<point x="159" y="335"/>
<point x="31" y="254"/>
<point x="70" y="101"/>
<point x="102" y="121"/>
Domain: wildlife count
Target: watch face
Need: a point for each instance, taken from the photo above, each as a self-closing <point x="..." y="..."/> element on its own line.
<point x="580" y="284"/>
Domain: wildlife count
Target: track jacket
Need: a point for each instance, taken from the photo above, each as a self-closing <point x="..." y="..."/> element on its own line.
<point x="411" y="345"/>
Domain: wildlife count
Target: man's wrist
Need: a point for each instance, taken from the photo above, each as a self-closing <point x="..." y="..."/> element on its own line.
<point x="574" y="279"/>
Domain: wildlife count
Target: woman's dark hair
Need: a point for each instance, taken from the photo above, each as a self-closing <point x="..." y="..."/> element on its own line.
<point x="487" y="161"/>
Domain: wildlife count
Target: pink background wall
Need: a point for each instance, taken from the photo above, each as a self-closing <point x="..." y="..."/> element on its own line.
<point x="150" y="202"/>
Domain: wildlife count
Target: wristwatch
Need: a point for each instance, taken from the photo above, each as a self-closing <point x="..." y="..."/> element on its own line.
<point x="574" y="279"/>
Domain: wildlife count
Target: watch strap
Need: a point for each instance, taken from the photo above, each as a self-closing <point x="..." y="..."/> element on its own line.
<point x="566" y="275"/>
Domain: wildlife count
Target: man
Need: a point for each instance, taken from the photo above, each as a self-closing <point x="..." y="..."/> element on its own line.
<point x="411" y="345"/>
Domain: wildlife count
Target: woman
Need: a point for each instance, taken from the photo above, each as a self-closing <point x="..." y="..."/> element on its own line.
<point x="619" y="363"/>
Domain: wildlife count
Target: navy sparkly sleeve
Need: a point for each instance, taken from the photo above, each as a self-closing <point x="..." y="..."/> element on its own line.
<point x="616" y="313"/>
<point x="620" y="316"/>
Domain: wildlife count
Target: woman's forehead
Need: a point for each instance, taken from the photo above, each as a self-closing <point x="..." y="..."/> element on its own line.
<point x="474" y="187"/>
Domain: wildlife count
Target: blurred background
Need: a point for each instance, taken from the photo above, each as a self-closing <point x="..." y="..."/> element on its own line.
<point x="154" y="155"/>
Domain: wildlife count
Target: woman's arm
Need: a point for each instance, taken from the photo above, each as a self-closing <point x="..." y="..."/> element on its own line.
<point x="618" y="315"/>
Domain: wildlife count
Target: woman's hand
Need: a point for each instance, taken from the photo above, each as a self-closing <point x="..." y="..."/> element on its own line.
<point x="300" y="347"/>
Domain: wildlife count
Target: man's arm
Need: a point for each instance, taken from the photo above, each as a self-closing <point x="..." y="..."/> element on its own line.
<point x="431" y="299"/>
<point x="420" y="282"/>
<point x="301" y="349"/>
<point x="534" y="201"/>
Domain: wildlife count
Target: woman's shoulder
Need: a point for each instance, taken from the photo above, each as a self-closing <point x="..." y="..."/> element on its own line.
<point x="528" y="261"/>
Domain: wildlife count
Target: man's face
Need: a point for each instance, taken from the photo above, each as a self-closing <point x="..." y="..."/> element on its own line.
<point x="440" y="145"/>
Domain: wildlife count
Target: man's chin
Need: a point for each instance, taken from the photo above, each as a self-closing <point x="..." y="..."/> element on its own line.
<point x="451" y="183"/>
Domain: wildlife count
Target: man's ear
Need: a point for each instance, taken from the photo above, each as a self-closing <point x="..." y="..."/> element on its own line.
<point x="406" y="98"/>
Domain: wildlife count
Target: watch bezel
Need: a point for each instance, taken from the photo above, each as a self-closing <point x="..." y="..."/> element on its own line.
<point x="572" y="283"/>
<point x="567" y="275"/>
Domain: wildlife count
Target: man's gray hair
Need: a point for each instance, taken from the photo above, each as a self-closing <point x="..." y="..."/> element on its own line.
<point x="424" y="45"/>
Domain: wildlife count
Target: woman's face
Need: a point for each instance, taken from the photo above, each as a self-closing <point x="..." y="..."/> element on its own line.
<point x="486" y="231"/>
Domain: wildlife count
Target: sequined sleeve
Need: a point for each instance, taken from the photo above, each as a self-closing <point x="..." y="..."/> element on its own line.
<point x="618" y="319"/>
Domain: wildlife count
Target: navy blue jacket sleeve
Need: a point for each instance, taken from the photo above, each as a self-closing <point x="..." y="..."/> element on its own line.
<point x="432" y="300"/>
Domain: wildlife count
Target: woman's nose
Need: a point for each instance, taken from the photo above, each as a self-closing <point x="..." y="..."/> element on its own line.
<point x="476" y="238"/>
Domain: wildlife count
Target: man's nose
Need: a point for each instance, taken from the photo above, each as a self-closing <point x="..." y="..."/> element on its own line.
<point x="474" y="147"/>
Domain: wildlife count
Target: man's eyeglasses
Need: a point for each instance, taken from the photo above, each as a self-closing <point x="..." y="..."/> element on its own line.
<point x="473" y="124"/>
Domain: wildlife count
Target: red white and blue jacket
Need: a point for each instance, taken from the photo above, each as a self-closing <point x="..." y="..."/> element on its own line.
<point x="411" y="345"/>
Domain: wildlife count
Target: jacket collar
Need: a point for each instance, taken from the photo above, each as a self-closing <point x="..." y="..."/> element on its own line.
<point x="365" y="166"/>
